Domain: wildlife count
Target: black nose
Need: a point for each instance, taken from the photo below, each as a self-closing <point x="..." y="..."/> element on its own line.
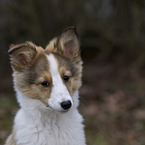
<point x="66" y="104"/>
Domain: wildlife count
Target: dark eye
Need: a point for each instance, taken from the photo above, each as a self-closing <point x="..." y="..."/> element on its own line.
<point x="45" y="84"/>
<point x="65" y="78"/>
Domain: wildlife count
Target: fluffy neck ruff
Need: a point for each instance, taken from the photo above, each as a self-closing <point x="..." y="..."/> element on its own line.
<point x="35" y="109"/>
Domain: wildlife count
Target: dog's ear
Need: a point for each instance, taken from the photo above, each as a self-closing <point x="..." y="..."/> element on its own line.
<point x="22" y="55"/>
<point x="68" y="43"/>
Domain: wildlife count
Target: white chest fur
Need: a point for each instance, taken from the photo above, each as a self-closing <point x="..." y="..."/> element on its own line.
<point x="48" y="127"/>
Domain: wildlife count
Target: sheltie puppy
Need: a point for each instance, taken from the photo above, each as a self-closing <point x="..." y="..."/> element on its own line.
<point x="46" y="82"/>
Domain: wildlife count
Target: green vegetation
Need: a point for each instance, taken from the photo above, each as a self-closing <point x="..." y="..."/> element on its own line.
<point x="8" y="107"/>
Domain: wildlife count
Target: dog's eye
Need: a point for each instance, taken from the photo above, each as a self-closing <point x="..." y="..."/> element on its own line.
<point x="45" y="84"/>
<point x="66" y="78"/>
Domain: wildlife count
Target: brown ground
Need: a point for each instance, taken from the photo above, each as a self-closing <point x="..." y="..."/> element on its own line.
<point x="113" y="104"/>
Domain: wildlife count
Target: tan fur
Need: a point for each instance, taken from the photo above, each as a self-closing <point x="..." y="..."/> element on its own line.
<point x="31" y="67"/>
<point x="67" y="44"/>
<point x="11" y="140"/>
<point x="30" y="83"/>
<point x="59" y="46"/>
<point x="51" y="47"/>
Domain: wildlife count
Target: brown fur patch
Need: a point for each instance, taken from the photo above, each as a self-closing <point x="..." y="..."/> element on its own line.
<point x="67" y="51"/>
<point x="11" y="140"/>
<point x="23" y="55"/>
<point x="67" y="45"/>
<point x="31" y="68"/>
<point x="72" y="69"/>
<point x="29" y="81"/>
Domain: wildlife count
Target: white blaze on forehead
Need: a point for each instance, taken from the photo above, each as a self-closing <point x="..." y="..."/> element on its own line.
<point x="59" y="91"/>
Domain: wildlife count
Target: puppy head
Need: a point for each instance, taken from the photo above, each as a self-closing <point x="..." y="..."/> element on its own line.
<point x="49" y="75"/>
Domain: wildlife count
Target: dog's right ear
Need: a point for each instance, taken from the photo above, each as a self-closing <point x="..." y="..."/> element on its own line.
<point x="22" y="55"/>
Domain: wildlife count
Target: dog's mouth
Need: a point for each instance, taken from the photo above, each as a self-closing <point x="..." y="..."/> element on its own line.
<point x="49" y="107"/>
<point x="58" y="110"/>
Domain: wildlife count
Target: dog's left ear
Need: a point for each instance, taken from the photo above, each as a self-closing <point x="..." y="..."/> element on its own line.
<point x="68" y="43"/>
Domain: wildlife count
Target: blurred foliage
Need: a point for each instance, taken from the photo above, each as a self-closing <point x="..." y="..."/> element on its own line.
<point x="112" y="36"/>
<point x="108" y="27"/>
<point x="8" y="109"/>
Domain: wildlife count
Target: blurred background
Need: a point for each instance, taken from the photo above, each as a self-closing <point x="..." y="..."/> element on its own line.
<point x="112" y="34"/>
